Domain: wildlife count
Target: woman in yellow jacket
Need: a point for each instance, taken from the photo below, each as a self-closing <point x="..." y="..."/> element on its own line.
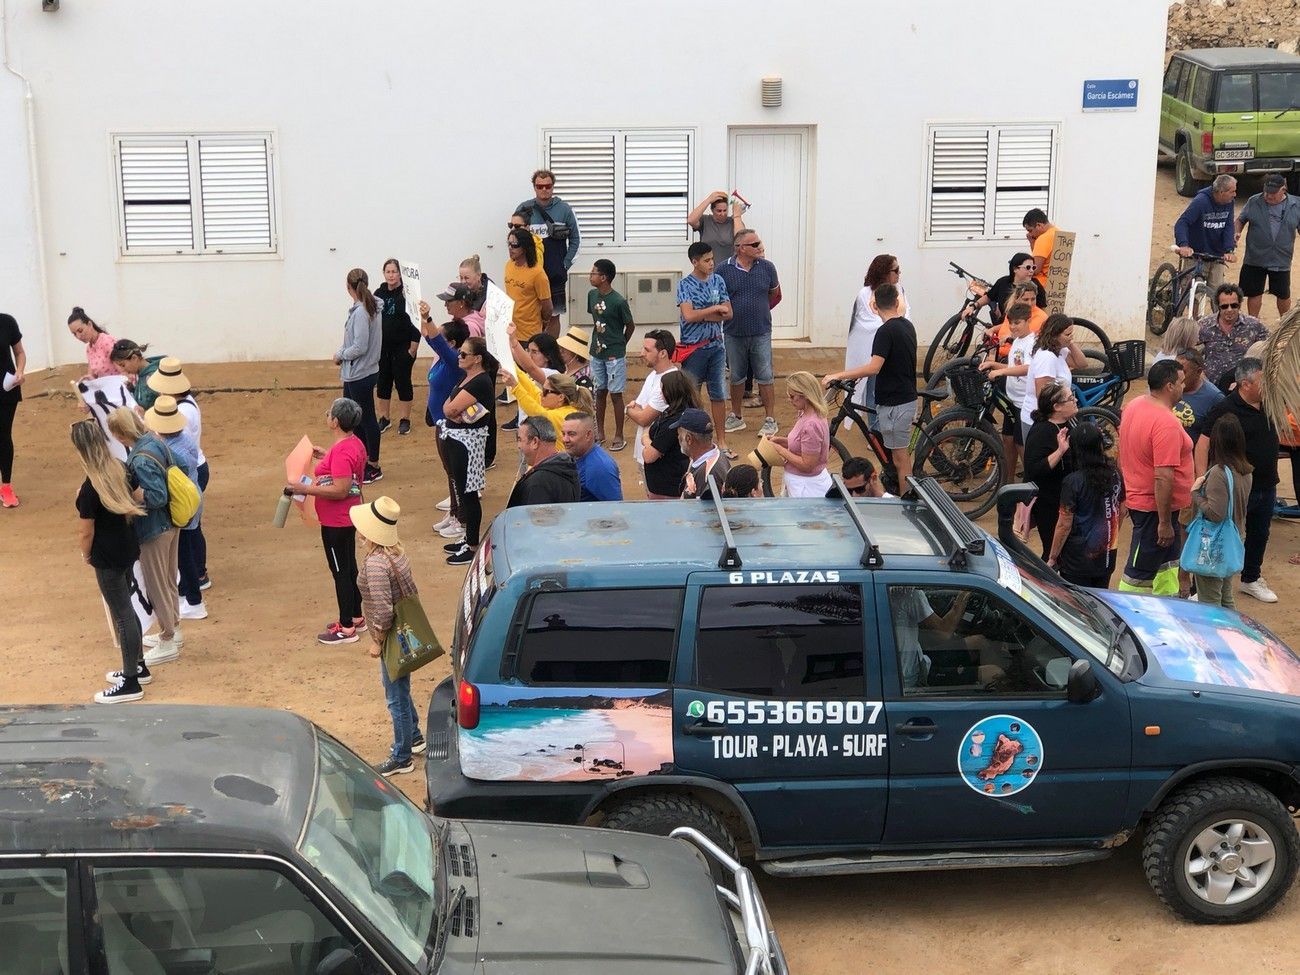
<point x="555" y="397"/>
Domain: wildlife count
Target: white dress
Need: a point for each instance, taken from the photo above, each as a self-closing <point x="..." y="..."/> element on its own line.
<point x="862" y="335"/>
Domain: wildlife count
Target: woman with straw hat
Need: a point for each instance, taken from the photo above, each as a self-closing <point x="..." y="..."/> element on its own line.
<point x="384" y="579"/>
<point x="165" y="419"/>
<point x="170" y="378"/>
<point x="575" y="352"/>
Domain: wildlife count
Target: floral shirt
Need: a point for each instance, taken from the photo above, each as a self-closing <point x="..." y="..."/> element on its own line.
<point x="1223" y="351"/>
<point x="97" y="355"/>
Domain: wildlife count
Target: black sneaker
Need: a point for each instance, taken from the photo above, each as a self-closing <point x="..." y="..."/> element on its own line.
<point x="120" y="692"/>
<point x="384" y="423"/>
<point x="372" y="474"/>
<point x="418" y="745"/>
<point x="462" y="556"/>
<point x="512" y="424"/>
<point x="142" y="675"/>
<point x="503" y="397"/>
<point x="454" y="546"/>
<point x="403" y="427"/>
<point x="395" y="766"/>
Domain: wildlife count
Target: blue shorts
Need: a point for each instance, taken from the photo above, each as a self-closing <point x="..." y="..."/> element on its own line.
<point x="709" y="365"/>
<point x="610" y="374"/>
<point x="750" y="357"/>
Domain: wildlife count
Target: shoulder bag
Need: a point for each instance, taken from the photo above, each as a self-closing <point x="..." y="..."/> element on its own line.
<point x="410" y="642"/>
<point x="1214" y="548"/>
<point x="182" y="496"/>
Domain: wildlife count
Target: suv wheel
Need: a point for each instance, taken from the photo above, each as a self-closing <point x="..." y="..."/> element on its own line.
<point x="661" y="813"/>
<point x="1221" y="851"/>
<point x="1185" y="182"/>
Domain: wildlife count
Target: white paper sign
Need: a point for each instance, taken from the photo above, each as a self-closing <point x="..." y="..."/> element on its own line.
<point x="102" y="396"/>
<point x="411" y="289"/>
<point x="498" y="311"/>
<point x="10" y="381"/>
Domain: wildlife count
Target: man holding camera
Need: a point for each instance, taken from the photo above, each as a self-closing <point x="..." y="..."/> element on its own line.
<point x="552" y="220"/>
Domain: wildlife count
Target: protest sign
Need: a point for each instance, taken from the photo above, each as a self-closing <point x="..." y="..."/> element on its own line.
<point x="139" y="602"/>
<point x="102" y="396"/>
<point x="498" y="311"/>
<point x="297" y="470"/>
<point x="411" y="289"/>
<point x="1058" y="271"/>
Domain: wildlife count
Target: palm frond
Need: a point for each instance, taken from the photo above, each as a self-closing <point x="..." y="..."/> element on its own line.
<point x="1281" y="379"/>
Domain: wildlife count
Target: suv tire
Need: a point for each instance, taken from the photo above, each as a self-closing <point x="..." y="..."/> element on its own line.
<point x="1185" y="181"/>
<point x="661" y="813"/>
<point x="1196" y="825"/>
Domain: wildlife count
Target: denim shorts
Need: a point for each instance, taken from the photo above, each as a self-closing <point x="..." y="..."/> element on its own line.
<point x="709" y="365"/>
<point x="750" y="357"/>
<point x="610" y="374"/>
<point x="895" y="424"/>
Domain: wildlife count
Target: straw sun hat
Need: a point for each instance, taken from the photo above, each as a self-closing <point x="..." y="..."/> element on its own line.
<point x="765" y="455"/>
<point x="377" y="521"/>
<point x="169" y="378"/>
<point x="163" y="417"/>
<point x="577" y="341"/>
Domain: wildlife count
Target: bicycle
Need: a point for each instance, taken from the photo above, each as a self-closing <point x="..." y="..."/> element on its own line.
<point x="1171" y="291"/>
<point x="966" y="461"/>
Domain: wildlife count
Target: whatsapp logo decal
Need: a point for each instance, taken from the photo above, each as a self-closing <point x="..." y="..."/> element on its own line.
<point x="695" y="709"/>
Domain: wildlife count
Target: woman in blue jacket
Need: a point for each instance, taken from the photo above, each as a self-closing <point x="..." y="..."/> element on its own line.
<point x="444" y="375"/>
<point x="358" y="362"/>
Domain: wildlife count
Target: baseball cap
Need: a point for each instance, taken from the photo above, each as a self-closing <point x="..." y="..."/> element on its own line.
<point x="456" y="291"/>
<point x="695" y="421"/>
<point x="1274" y="182"/>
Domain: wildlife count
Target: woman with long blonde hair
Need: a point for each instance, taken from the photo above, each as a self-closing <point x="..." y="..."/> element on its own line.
<point x="808" y="445"/>
<point x="106" y="508"/>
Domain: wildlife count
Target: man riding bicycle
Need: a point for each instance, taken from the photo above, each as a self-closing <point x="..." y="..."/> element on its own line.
<point x="1206" y="227"/>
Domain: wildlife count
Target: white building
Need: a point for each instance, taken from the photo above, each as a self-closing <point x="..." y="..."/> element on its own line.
<point x="202" y="176"/>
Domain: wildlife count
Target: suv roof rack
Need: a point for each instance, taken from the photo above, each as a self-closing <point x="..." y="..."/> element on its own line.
<point x="961" y="531"/>
<point x="870" y="550"/>
<point x="730" y="558"/>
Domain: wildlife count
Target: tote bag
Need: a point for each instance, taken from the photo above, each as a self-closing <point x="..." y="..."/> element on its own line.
<point x="1214" y="548"/>
<point x="411" y="642"/>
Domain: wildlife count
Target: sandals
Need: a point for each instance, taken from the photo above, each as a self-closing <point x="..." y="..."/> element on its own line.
<point x="617" y="444"/>
<point x="1294" y="559"/>
<point x="730" y="454"/>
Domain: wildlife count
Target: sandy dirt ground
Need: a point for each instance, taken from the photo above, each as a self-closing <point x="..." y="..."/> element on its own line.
<point x="272" y="594"/>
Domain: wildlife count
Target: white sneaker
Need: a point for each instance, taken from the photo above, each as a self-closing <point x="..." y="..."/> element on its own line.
<point x="453" y="529"/>
<point x="199" y="612"/>
<point x="734" y="424"/>
<point x="1259" y="589"/>
<point x="769" y="428"/>
<point x="439" y="526"/>
<point x="164" y="653"/>
<point x="444" y="504"/>
<point x="153" y="639"/>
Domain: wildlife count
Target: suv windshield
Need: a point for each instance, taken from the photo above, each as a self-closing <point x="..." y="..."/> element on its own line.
<point x="374" y="846"/>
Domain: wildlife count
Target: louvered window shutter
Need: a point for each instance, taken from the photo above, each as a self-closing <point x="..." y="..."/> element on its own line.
<point x="656" y="186"/>
<point x="156" y="203"/>
<point x="584" y="178"/>
<point x="1024" y="176"/>
<point x="235" y="180"/>
<point x="959" y="165"/>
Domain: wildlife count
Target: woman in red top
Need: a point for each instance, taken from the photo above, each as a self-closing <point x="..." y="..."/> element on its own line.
<point x="337" y="489"/>
<point x="99" y="344"/>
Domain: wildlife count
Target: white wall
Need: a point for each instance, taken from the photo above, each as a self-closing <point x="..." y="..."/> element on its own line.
<point x="358" y="183"/>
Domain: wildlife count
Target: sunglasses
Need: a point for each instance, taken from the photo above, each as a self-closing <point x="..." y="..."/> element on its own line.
<point x="465" y="355"/>
<point x="857" y="491"/>
<point x="543" y="186"/>
<point x="893" y="270"/>
<point x="548" y="391"/>
<point x="1233" y="304"/>
<point x="511" y="245"/>
<point x="1066" y="399"/>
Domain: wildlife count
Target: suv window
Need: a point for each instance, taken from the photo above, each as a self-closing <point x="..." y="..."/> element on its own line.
<point x="603" y="637"/>
<point x="1279" y="91"/>
<point x="781" y="641"/>
<point x="1236" y="92"/>
<point x="965" y="642"/>
<point x="1173" y="75"/>
<point x="33" y="921"/>
<point x="1201" y="83"/>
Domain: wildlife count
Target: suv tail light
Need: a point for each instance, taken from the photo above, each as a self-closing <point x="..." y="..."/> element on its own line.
<point x="467" y="705"/>
<point x="1207" y="143"/>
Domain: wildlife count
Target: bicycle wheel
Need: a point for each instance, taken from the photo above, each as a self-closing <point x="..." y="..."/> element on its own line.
<point x="1107" y="422"/>
<point x="957" y="416"/>
<point x="968" y="463"/>
<point x="1091" y="336"/>
<point x="1160" y="299"/>
<point x="952" y="341"/>
<point x="940" y="381"/>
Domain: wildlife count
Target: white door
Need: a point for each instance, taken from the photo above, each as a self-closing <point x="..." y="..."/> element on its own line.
<point x="769" y="168"/>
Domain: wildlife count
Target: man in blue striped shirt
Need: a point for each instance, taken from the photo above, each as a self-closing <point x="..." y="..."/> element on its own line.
<point x="704" y="304"/>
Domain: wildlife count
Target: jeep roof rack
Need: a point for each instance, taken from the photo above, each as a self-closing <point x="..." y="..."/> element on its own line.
<point x="730" y="558"/>
<point x="871" y="558"/>
<point x="961" y="531"/>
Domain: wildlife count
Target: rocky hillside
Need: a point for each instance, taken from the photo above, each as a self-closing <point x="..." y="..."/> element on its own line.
<point x="1234" y="23"/>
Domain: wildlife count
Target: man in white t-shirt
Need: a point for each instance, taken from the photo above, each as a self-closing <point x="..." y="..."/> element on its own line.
<point x="657" y="353"/>
<point x="1015" y="369"/>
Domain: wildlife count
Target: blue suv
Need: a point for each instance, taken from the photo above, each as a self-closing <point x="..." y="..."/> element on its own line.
<point x="835" y="687"/>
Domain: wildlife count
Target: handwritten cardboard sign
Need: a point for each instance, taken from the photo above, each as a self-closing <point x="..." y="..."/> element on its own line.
<point x="1058" y="271"/>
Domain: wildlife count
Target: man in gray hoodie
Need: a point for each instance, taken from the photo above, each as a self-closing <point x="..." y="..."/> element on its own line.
<point x="552" y="220"/>
<point x="358" y="362"/>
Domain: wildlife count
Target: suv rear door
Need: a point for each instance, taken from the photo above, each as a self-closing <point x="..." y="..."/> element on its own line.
<point x="1173" y="100"/>
<point x="1279" y="113"/>
<point x="777" y="694"/>
<point x="1235" y="120"/>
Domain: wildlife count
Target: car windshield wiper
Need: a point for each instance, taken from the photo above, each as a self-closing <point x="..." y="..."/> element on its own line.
<point x="443" y="922"/>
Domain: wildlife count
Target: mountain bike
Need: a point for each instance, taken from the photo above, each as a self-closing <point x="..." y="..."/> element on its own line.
<point x="1172" y="293"/>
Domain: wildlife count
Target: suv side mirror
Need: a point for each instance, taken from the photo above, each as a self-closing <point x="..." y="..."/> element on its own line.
<point x="1082" y="685"/>
<point x="340" y="961"/>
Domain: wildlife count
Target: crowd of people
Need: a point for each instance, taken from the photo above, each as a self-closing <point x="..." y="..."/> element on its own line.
<point x="1196" y="445"/>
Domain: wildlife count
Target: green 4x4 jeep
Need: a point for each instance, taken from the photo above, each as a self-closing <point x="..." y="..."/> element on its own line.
<point x="1231" y="110"/>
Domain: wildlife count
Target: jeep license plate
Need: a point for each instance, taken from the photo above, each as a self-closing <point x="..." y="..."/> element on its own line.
<point x="1234" y="153"/>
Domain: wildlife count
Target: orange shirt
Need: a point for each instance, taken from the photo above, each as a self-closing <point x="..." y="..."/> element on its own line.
<point x="1043" y="248"/>
<point x="1151" y="436"/>
<point x="1036" y="318"/>
<point x="528" y="288"/>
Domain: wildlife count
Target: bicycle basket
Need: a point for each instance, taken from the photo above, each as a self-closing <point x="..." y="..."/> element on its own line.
<point x="1128" y="359"/>
<point x="970" y="387"/>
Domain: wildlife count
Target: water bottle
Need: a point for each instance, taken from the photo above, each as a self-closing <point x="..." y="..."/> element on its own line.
<point x="282" y="511"/>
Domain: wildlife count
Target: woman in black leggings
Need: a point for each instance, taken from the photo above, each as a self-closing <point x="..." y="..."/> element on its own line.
<point x="468" y="413"/>
<point x="400" y="343"/>
<point x="13" y="362"/>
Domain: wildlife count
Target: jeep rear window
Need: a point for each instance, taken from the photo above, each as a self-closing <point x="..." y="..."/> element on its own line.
<point x="1279" y="91"/>
<point x="1173" y="75"/>
<point x="601" y="637"/>
<point x="1236" y="92"/>
<point x="781" y="641"/>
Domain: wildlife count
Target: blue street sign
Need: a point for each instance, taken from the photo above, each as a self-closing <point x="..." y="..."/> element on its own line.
<point x="1110" y="95"/>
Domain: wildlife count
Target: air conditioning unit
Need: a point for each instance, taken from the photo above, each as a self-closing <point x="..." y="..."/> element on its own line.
<point x="652" y="296"/>
<point x="579" y="285"/>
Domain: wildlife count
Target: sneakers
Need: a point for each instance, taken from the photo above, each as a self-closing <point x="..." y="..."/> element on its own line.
<point x="403" y="427"/>
<point x="395" y="766"/>
<point x="444" y="504"/>
<point x="142" y="675"/>
<point x="120" y="692"/>
<point x="204" y="583"/>
<point x="511" y="424"/>
<point x="333" y="634"/>
<point x="769" y="428"/>
<point x="418" y="745"/>
<point x="462" y="556"/>
<point x="359" y="624"/>
<point x="372" y="474"/>
<point x="454" y="546"/>
<point x="153" y="639"/>
<point x="7" y="496"/>
<point x="199" y="611"/>
<point x="751" y="402"/>
<point x="164" y="652"/>
<point x="440" y="525"/>
<point x="1260" y="590"/>
<point x="384" y="424"/>
<point x="734" y="424"/>
<point x="453" y="529"/>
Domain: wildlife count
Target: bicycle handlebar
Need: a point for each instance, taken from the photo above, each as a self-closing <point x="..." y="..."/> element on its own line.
<point x="844" y="385"/>
<point x="1211" y="258"/>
